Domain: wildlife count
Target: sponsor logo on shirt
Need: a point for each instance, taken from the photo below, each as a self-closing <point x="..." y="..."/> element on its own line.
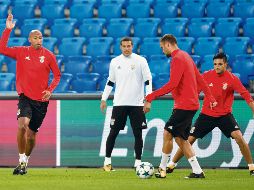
<point x="225" y="86"/>
<point x="211" y="84"/>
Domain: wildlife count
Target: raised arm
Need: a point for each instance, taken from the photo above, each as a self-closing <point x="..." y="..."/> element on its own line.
<point x="8" y="51"/>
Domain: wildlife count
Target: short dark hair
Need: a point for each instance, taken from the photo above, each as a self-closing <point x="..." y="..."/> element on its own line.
<point x="125" y="39"/>
<point x="169" y="38"/>
<point x="221" y="56"/>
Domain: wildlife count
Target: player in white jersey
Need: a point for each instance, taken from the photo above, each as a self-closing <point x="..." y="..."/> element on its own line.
<point x="130" y="74"/>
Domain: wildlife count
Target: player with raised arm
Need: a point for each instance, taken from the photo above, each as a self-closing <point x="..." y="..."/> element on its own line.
<point x="34" y="64"/>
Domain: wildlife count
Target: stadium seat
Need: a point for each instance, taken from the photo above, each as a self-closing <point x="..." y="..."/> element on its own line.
<point x="115" y="10"/>
<point x="119" y="27"/>
<point x="92" y="27"/>
<point x="17" y="42"/>
<point x="185" y="43"/>
<point x="53" y="11"/>
<point x="77" y="64"/>
<point x="235" y="46"/>
<point x="193" y="9"/>
<point x="102" y="82"/>
<point x="6" y="81"/>
<point x="159" y="64"/>
<point x="85" y="82"/>
<point x="11" y="64"/>
<point x="227" y="27"/>
<point x="206" y="63"/>
<point x="247" y="6"/>
<point x="33" y="24"/>
<point x="64" y="84"/>
<point x="142" y="7"/>
<point x="248" y="28"/>
<point x="218" y="9"/>
<point x="81" y="10"/>
<point x="117" y="50"/>
<point x="99" y="46"/>
<point x="174" y="26"/>
<point x="167" y="9"/>
<point x="72" y="46"/>
<point x="60" y="60"/>
<point x="200" y="27"/>
<point x="196" y="59"/>
<point x="101" y="64"/>
<point x="63" y="28"/>
<point x="23" y="10"/>
<point x="207" y="45"/>
<point x="146" y="27"/>
<point x="244" y="65"/>
<point x="4" y="6"/>
<point x="151" y="46"/>
<point x="160" y="80"/>
<point x="50" y="43"/>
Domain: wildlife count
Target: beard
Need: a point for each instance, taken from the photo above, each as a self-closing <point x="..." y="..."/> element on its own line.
<point x="168" y="55"/>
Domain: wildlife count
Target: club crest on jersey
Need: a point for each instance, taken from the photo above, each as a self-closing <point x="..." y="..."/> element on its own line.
<point x="225" y="86"/>
<point x="42" y="58"/>
<point x="27" y="58"/>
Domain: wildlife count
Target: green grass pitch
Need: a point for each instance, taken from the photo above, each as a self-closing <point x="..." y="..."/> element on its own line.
<point x="122" y="179"/>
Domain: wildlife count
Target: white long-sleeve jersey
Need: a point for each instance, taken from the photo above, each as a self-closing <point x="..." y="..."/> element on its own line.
<point x="129" y="75"/>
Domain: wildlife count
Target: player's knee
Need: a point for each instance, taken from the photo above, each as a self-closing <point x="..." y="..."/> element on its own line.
<point x="23" y="126"/>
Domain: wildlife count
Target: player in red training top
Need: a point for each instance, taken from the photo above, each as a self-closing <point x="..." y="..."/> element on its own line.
<point x="183" y="84"/>
<point x="34" y="63"/>
<point x="222" y="84"/>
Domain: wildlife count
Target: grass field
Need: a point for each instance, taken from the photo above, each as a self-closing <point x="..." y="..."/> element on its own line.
<point x="123" y="179"/>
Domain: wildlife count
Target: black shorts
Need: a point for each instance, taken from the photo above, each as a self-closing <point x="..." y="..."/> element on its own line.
<point x="34" y="110"/>
<point x="135" y="113"/>
<point x="205" y="124"/>
<point x="179" y="123"/>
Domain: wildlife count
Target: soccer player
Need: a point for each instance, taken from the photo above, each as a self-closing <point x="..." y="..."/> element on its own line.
<point x="222" y="84"/>
<point x="129" y="73"/>
<point x="34" y="63"/>
<point x="183" y="84"/>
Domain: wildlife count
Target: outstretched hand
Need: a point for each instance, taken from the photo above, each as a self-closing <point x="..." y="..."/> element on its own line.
<point x="10" y="24"/>
<point x="147" y="107"/>
<point x="46" y="95"/>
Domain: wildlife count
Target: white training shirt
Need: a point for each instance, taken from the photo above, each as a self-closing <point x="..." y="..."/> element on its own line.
<point x="129" y="75"/>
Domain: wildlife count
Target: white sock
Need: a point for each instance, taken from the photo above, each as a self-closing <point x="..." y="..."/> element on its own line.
<point x="107" y="161"/>
<point x="164" y="160"/>
<point x="251" y="166"/>
<point x="21" y="157"/>
<point x="26" y="158"/>
<point x="137" y="162"/>
<point x="171" y="163"/>
<point x="195" y="165"/>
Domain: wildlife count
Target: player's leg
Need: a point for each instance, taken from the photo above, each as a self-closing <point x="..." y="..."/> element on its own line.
<point x="138" y="122"/>
<point x="117" y="123"/>
<point x="202" y="126"/>
<point x="230" y="128"/>
<point x="39" y="110"/>
<point x="166" y="152"/>
<point x="24" y="114"/>
<point x="179" y="154"/>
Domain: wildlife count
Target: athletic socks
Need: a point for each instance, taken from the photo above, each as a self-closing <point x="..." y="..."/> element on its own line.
<point x="164" y="160"/>
<point x="107" y="161"/>
<point x="195" y="165"/>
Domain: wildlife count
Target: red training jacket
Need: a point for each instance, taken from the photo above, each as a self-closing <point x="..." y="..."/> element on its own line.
<point x="223" y="87"/>
<point x="33" y="68"/>
<point x="183" y="83"/>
